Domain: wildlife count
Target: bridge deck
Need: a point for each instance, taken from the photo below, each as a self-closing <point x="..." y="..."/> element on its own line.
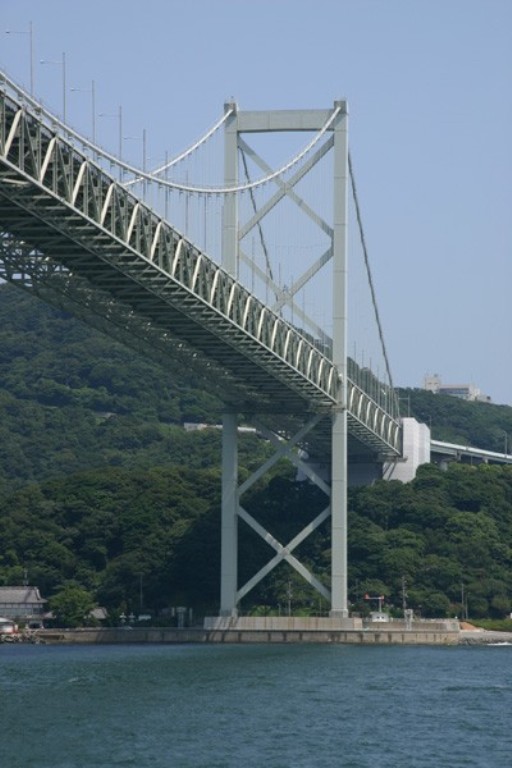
<point x="74" y="235"/>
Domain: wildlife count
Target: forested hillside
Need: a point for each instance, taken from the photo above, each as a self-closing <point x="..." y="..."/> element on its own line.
<point x="72" y="399"/>
<point x="483" y="425"/>
<point x="105" y="499"/>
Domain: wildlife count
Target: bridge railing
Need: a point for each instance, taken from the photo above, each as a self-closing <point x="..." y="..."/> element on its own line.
<point x="384" y="395"/>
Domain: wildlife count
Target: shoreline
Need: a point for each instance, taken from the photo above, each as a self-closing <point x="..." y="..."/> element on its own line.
<point x="292" y="630"/>
<point x="173" y="636"/>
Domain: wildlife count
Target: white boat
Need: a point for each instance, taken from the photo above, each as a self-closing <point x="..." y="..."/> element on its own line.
<point x="8" y="631"/>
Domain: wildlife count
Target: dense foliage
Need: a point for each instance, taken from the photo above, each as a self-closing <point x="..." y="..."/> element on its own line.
<point x="106" y="499"/>
<point x="480" y="424"/>
<point x="72" y="399"/>
<point x="447" y="535"/>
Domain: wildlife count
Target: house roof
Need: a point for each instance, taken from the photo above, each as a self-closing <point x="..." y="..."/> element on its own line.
<point x="21" y="596"/>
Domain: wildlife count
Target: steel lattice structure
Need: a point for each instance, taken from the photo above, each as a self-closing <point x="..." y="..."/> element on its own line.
<point x="73" y="235"/>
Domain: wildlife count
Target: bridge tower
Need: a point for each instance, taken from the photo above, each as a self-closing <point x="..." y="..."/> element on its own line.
<point x="335" y="124"/>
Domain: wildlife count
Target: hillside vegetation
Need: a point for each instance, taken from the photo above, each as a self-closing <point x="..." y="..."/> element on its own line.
<point x="483" y="425"/>
<point x="105" y="499"/>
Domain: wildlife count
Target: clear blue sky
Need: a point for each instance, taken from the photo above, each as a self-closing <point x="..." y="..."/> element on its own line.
<point x="429" y="84"/>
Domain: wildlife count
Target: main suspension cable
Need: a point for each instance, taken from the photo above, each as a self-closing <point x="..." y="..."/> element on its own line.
<point x="250" y="184"/>
<point x="86" y="143"/>
<point x="260" y="228"/>
<point x="187" y="152"/>
<point x="368" y="270"/>
<point x="150" y="177"/>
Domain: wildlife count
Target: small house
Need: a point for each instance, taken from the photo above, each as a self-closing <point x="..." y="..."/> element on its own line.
<point x="21" y="603"/>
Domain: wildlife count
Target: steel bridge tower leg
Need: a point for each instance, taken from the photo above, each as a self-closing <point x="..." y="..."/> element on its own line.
<point x="339" y="453"/>
<point x="229" y="522"/>
<point x="230" y="213"/>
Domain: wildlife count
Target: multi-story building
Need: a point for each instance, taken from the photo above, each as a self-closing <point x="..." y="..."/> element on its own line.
<point x="463" y="391"/>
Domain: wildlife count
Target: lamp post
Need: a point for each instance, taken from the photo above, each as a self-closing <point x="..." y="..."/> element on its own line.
<point x="63" y="65"/>
<point x="31" y="45"/>
<point x="144" y="183"/>
<point x="144" y="158"/>
<point x="505" y="443"/>
<point x="119" y="115"/>
<point x="143" y="139"/>
<point x="92" y="91"/>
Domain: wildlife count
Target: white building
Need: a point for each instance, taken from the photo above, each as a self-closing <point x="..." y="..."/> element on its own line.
<point x="463" y="391"/>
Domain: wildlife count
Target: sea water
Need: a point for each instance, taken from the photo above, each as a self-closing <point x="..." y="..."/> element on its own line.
<point x="255" y="706"/>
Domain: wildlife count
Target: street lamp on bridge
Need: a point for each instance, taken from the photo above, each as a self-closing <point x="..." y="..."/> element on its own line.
<point x="143" y="139"/>
<point x="119" y="115"/>
<point x="28" y="32"/>
<point x="62" y="64"/>
<point x="144" y="157"/>
<point x="92" y="91"/>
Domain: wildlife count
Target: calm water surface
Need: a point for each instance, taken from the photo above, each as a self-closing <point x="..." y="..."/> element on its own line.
<point x="270" y="706"/>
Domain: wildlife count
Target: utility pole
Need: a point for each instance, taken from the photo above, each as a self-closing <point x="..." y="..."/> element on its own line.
<point x="464" y="601"/>
<point x="404" y="594"/>
<point x="289" y="595"/>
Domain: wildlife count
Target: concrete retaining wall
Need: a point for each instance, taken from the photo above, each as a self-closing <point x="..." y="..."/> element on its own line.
<point x="281" y="623"/>
<point x="168" y="635"/>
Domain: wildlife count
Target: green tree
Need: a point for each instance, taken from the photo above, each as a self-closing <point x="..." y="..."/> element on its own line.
<point x="72" y="606"/>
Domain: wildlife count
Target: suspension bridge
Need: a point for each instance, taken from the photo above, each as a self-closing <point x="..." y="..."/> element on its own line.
<point x="115" y="244"/>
